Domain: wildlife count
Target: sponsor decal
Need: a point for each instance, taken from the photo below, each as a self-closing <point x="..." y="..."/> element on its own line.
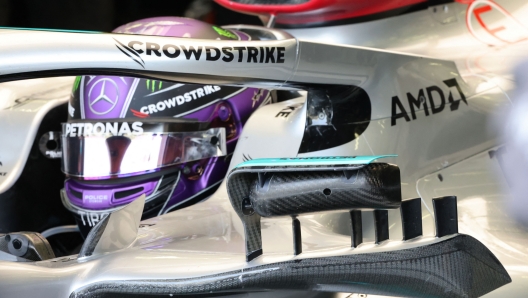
<point x="433" y="104"/>
<point x="91" y="219"/>
<point x="177" y="100"/>
<point x="19" y="102"/>
<point x="224" y="32"/>
<point x="100" y="128"/>
<point x="103" y="96"/>
<point x="2" y="173"/>
<point x="135" y="49"/>
<point x="285" y="113"/>
<point x="71" y="110"/>
<point x="138" y="114"/>
<point x="76" y="83"/>
<point x="53" y="154"/>
<point x="492" y="24"/>
<point x="256" y="97"/>
<point x="173" y="99"/>
<point x="153" y="85"/>
<point x="246" y="157"/>
<point x="321" y="157"/>
<point x="90" y="197"/>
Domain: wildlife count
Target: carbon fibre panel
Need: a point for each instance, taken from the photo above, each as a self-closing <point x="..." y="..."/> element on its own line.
<point x="372" y="186"/>
<point x="238" y="190"/>
<point x="369" y="177"/>
<point x="459" y="266"/>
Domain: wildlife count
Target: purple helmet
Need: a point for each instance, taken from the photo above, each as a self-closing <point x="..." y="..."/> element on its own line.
<point x="129" y="136"/>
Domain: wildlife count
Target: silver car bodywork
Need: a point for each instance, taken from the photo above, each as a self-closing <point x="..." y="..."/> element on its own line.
<point x="208" y="238"/>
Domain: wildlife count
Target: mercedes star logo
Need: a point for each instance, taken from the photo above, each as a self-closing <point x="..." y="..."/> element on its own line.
<point x="104" y="102"/>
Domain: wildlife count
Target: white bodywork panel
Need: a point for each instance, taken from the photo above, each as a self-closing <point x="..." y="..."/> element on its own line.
<point x="207" y="238"/>
<point x="23" y="105"/>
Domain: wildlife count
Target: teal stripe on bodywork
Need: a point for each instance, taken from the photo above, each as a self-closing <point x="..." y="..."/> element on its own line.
<point x="311" y="161"/>
<point x="51" y="30"/>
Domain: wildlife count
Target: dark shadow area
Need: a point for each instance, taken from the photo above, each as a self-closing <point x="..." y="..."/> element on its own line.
<point x="105" y="15"/>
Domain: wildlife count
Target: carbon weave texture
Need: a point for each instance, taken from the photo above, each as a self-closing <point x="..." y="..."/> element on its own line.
<point x="238" y="185"/>
<point x="270" y="2"/>
<point x="456" y="267"/>
<point x="291" y="193"/>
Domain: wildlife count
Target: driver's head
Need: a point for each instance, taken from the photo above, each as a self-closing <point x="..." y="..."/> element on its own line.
<point x="131" y="136"/>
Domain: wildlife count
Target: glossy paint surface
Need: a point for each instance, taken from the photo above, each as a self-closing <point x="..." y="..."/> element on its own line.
<point x="23" y="105"/>
<point x="443" y="153"/>
<point x="449" y="153"/>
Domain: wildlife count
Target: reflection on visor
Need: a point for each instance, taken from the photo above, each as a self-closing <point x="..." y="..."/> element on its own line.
<point x="96" y="156"/>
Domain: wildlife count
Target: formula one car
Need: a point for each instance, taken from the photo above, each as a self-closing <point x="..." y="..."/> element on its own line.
<point x="278" y="223"/>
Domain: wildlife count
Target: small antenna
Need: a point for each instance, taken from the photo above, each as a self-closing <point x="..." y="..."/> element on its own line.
<point x="271" y="21"/>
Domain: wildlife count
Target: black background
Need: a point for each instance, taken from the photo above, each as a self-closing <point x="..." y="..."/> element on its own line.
<point x="106" y="15"/>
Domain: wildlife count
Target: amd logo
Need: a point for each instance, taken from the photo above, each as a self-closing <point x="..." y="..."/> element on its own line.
<point x="435" y="97"/>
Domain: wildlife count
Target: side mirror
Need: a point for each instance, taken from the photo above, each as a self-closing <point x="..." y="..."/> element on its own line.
<point x="294" y="186"/>
<point x="373" y="186"/>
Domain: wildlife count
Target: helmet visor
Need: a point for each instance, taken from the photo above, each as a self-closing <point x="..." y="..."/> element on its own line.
<point x="99" y="150"/>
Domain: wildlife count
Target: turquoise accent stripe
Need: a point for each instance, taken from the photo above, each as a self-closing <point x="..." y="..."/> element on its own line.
<point x="312" y="161"/>
<point x="51" y="30"/>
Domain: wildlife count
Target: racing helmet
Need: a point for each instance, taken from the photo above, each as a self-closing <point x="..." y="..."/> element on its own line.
<point x="128" y="136"/>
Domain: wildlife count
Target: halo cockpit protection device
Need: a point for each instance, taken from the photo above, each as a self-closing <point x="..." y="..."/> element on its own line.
<point x="424" y="265"/>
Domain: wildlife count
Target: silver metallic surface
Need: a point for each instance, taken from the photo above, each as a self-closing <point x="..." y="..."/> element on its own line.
<point x="304" y="62"/>
<point x="23" y="105"/>
<point x="259" y="31"/>
<point x="59" y="230"/>
<point x="121" y="229"/>
<point x="99" y="51"/>
<point x="207" y="238"/>
<point x="451" y="155"/>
